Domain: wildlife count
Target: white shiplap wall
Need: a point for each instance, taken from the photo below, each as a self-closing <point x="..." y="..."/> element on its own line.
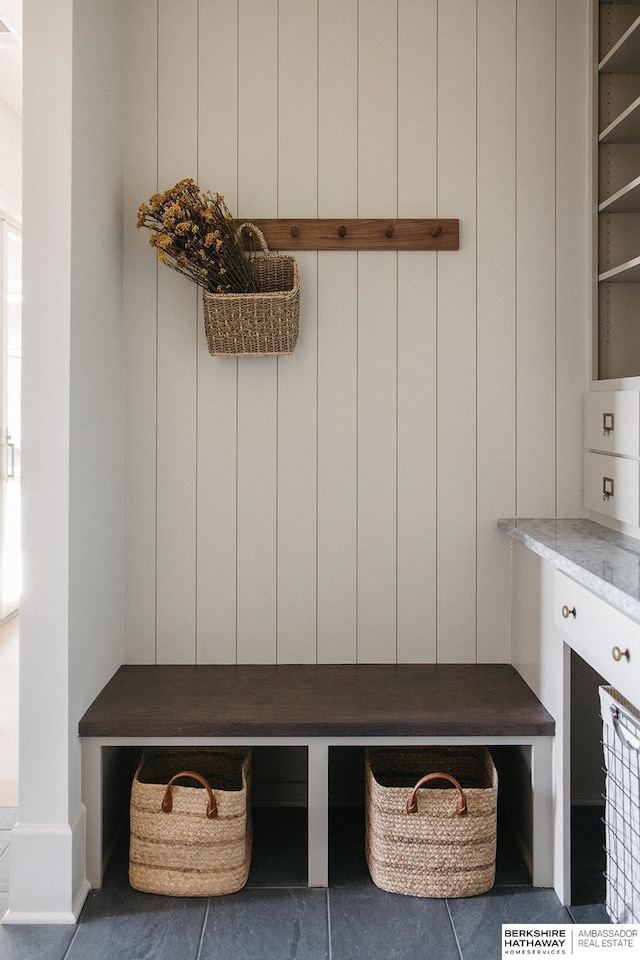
<point x="340" y="505"/>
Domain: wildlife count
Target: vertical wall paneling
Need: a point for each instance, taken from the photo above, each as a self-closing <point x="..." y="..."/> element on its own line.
<point x="257" y="376"/>
<point x="495" y="320"/>
<point x="337" y="457"/>
<point x="416" y="468"/>
<point x="140" y="130"/>
<point x="457" y="334"/>
<point x="536" y="265"/>
<point x="572" y="233"/>
<point x="177" y="329"/>
<point x="337" y="333"/>
<point x="416" y="472"/>
<point x="297" y="375"/>
<point x="340" y="504"/>
<point x="297" y="454"/>
<point x="217" y="376"/>
<point x="377" y="351"/>
<point x="377" y="336"/>
<point x="297" y="108"/>
<point x="338" y="108"/>
<point x="377" y="108"/>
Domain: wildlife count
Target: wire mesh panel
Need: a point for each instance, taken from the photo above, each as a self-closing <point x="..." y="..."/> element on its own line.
<point x="621" y="743"/>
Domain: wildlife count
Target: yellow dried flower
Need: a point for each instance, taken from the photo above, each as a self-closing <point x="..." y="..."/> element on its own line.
<point x="194" y="233"/>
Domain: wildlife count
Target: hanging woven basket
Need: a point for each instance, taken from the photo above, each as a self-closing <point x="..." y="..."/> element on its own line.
<point x="256" y="324"/>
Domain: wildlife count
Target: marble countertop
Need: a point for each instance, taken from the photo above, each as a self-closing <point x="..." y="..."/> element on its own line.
<point x="602" y="560"/>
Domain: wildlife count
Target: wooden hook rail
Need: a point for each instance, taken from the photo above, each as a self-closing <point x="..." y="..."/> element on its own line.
<point x="358" y="234"/>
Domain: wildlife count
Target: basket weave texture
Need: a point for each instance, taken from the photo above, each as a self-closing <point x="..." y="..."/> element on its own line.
<point x="256" y="324"/>
<point x="184" y="853"/>
<point x="433" y="852"/>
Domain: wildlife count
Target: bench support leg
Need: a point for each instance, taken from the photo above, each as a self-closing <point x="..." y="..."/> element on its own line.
<point x="318" y="814"/>
<point x="542" y="792"/>
<point x="92" y="800"/>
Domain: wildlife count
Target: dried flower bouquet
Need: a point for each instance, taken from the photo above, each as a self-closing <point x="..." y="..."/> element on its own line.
<point x="195" y="234"/>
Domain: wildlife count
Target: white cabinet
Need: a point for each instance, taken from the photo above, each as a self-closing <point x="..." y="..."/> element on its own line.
<point x="612" y="458"/>
<point x="607" y="639"/>
<point x="612" y="422"/>
<point x="611" y="487"/>
<point x="618" y="166"/>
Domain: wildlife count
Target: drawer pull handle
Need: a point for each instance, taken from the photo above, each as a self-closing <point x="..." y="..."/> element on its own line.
<point x="618" y="654"/>
<point x="566" y="612"/>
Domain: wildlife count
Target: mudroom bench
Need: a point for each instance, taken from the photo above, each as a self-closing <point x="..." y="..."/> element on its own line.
<point x="317" y="707"/>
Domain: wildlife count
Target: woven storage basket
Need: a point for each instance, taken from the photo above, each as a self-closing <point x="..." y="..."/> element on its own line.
<point x="436" y="850"/>
<point x="256" y="324"/>
<point x="178" y="847"/>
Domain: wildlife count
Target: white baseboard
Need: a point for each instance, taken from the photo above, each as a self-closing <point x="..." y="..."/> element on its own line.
<point x="48" y="881"/>
<point x="12" y="916"/>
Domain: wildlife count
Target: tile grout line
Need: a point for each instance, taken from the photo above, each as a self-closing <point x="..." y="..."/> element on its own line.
<point x="453" y="927"/>
<point x="204" y="926"/>
<point x="75" y="934"/>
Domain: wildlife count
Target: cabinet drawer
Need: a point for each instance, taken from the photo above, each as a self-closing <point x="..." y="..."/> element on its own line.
<point x="616" y="477"/>
<point x="596" y="631"/>
<point x="612" y="422"/>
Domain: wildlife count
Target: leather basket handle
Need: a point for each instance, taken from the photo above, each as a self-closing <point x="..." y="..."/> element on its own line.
<point x="461" y="801"/>
<point x="167" y="800"/>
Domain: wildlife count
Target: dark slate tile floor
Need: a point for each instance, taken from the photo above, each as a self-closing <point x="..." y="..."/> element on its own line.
<point x="276" y="917"/>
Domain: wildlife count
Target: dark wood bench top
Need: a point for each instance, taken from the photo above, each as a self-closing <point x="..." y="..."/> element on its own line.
<point x="317" y="700"/>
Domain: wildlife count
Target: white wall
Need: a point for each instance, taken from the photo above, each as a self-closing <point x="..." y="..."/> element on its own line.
<point x="340" y="505"/>
<point x="10" y="160"/>
<point x="11" y="203"/>
<point x="71" y="611"/>
<point x="10" y="115"/>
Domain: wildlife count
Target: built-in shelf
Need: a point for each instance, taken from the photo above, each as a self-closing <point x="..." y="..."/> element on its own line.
<point x="624" y="56"/>
<point x="625" y="128"/>
<point x="617" y="181"/>
<point x="628" y="272"/>
<point x="625" y="200"/>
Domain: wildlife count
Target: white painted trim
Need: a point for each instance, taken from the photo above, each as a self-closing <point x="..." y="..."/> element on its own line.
<point x="542" y="853"/>
<point x="48" y="882"/>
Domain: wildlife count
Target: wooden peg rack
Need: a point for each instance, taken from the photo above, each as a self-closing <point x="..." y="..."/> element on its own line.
<point x="357" y="234"/>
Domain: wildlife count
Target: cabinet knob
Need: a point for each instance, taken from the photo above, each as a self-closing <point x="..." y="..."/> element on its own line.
<point x="618" y="654"/>
<point x="566" y="612"/>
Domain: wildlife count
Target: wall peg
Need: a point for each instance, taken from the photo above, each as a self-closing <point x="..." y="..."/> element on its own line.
<point x="342" y="231"/>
